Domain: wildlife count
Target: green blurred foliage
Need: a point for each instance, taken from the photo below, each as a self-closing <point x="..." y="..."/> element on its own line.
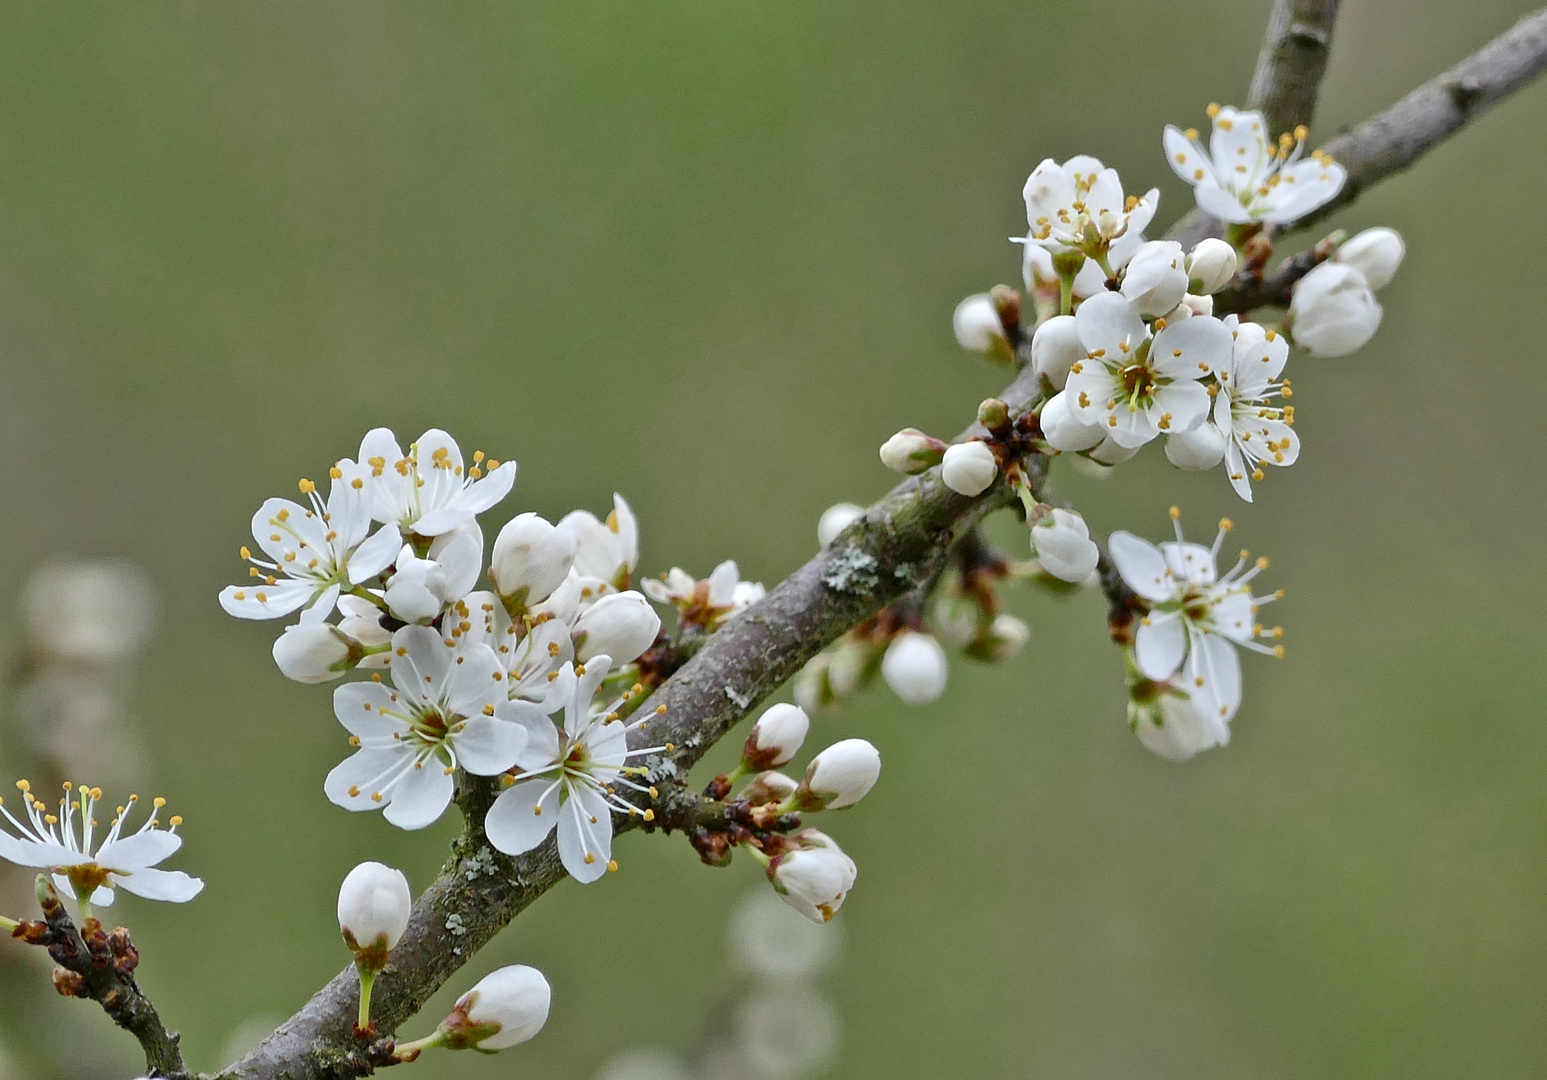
<point x="706" y="255"/>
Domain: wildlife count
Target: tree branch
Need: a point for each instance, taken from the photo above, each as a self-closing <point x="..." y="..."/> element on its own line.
<point x="897" y="545"/>
<point x="1292" y="62"/>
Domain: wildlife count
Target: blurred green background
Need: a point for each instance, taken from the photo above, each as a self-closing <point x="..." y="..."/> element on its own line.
<point x="706" y="255"/>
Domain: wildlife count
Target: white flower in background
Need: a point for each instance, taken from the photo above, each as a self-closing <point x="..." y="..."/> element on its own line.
<point x="429" y="491"/>
<point x="531" y="559"/>
<point x="505" y="1009"/>
<point x="914" y="667"/>
<point x="978" y="326"/>
<point x="1244" y="176"/>
<point x="1063" y="429"/>
<point x="1061" y="541"/>
<point x="771" y="942"/>
<point x="707" y="603"/>
<point x="566" y="779"/>
<point x="1169" y="723"/>
<point x="839" y="776"/>
<point x="1196" y="619"/>
<point x="313" y="552"/>
<point x="1137" y="386"/>
<point x="835" y="519"/>
<point x="814" y="877"/>
<point x="1257" y="431"/>
<point x="1006" y="636"/>
<point x="775" y="738"/>
<point x="1210" y="267"/>
<point x="1079" y="205"/>
<point x="785" y="1033"/>
<point x="605" y="552"/>
<point x="374" y="903"/>
<point x="1155" y="279"/>
<point x="620" y="625"/>
<point x="87" y="866"/>
<point x="89" y="612"/>
<point x="969" y="468"/>
<point x="1055" y="348"/>
<point x="448" y="707"/>
<point x="1333" y="311"/>
<point x="1375" y="253"/>
<point x="422" y="588"/>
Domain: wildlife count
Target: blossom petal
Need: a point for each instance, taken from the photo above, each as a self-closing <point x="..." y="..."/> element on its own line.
<point x="1302" y="188"/>
<point x="422" y="670"/>
<point x="1159" y="647"/>
<point x="517" y="822"/>
<point x="422" y="795"/>
<point x="375" y="555"/>
<point x="1186" y="157"/>
<point x="366" y="772"/>
<point x="363" y="707"/>
<point x="139" y="850"/>
<point x="1108" y="321"/>
<point x="475" y="680"/>
<point x="585" y="829"/>
<point x="170" y="885"/>
<point x="1193" y="348"/>
<point x="1142" y="566"/>
<point x="1218" y="202"/>
<point x="267" y="601"/>
<point x="472" y="500"/>
<point x="487" y="746"/>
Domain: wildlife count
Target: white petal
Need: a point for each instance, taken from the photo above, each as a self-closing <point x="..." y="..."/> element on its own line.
<point x="139" y="850"/>
<point x="1108" y="321"/>
<point x="361" y="707"/>
<point x="1159" y="647"/>
<point x="585" y="828"/>
<point x="513" y="825"/>
<point x="365" y="772"/>
<point x="1141" y="565"/>
<point x="421" y="797"/>
<point x="266" y="601"/>
<point x="375" y="555"/>
<point x="170" y="885"/>
<point x="1220" y="203"/>
<point x="1185" y="156"/>
<point x="487" y="746"/>
<point x="424" y="670"/>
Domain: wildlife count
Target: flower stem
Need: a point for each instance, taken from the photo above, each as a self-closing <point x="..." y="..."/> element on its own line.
<point x="410" y="1050"/>
<point x="365" y="594"/>
<point x="367" y="981"/>
<point x="1065" y="294"/>
<point x="86" y="910"/>
<point x="8" y="924"/>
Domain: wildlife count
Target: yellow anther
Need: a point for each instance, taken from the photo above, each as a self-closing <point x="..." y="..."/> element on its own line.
<point x="649" y="815"/>
<point x="176" y="820"/>
<point x="1225" y="524"/>
<point x="336" y="473"/>
<point x="1175" y="512"/>
<point x="589" y="858"/>
<point x="158" y="802"/>
<point x="612" y="866"/>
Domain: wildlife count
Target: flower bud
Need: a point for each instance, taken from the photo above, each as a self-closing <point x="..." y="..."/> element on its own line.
<point x="1063" y="545"/>
<point x="532" y="557"/>
<point x="915" y="667"/>
<point x="1056" y="348"/>
<point x="621" y="625"/>
<point x="957" y="620"/>
<point x="910" y="451"/>
<point x="775" y="738"/>
<point x="1375" y="253"/>
<point x="1155" y="279"/>
<point x="978" y="326"/>
<point x="1333" y="312"/>
<point x="1210" y="266"/>
<point x="994" y="414"/>
<point x="1063" y="430"/>
<point x="1110" y="452"/>
<point x="373" y="907"/>
<point x="1201" y="448"/>
<point x="850" y="666"/>
<point x="839" y="776"/>
<point x="315" y="653"/>
<point x="835" y="519"/>
<point x="969" y="468"/>
<point x="1002" y="640"/>
<point x="1193" y="305"/>
<point x="769" y="787"/>
<point x="506" y="1008"/>
<point x="813" y="691"/>
<point x="815" y="877"/>
<point x="1170" y="725"/>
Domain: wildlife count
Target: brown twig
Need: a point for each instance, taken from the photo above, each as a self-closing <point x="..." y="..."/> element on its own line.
<point x="1292" y="61"/>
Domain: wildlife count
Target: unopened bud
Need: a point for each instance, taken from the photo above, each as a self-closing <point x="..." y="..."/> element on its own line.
<point x="1155" y="279"/>
<point x="835" y="519"/>
<point x="621" y="625"/>
<point x="1007" y="302"/>
<point x="1001" y="641"/>
<point x="1192" y="304"/>
<point x="1055" y="348"/>
<point x="1210" y="266"/>
<point x="978" y="326"/>
<point x="915" y="668"/>
<point x="1064" y="430"/>
<point x="1170" y="724"/>
<point x="1375" y="253"/>
<point x="1333" y="311"/>
<point x="506" y="1008"/>
<point x="314" y="653"/>
<point x="910" y="451"/>
<point x="969" y="468"/>
<point x="994" y="414"/>
<point x="839" y="776"/>
<point x="373" y="908"/>
<point x="815" y="877"/>
<point x="1063" y="545"/>
<point x="769" y="787"/>
<point x="775" y="738"/>
<point x="812" y="690"/>
<point x="531" y="558"/>
<point x="1201" y="448"/>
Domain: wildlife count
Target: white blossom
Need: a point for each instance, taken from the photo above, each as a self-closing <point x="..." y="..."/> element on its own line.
<point x="566" y="779"/>
<point x="969" y="468"/>
<point x="910" y="451"/>
<point x="710" y="602"/>
<point x="448" y="706"/>
<point x="775" y="738"/>
<point x="1062" y="543"/>
<point x="840" y="776"/>
<point x="89" y="612"/>
<point x="914" y="667"/>
<point x="1155" y="279"/>
<point x="1244" y="176"/>
<point x="312" y="652"/>
<point x="1210" y="266"/>
<point x="1138" y="386"/>
<point x="532" y="652"/>
<point x="422" y="588"/>
<point x="1171" y="725"/>
<point x="1197" y="619"/>
<point x="620" y="625"/>
<point x="813" y="877"/>
<point x="313" y="551"/>
<point x="429" y="491"/>
<point x="978" y="326"/>
<point x="835" y="519"/>
<point x="1257" y="431"/>
<point x="505" y="1009"/>
<point x="374" y="903"/>
<point x="1063" y="429"/>
<point x="1375" y="253"/>
<point x="606" y="553"/>
<point x="1333" y="311"/>
<point x="531" y="559"/>
<point x="771" y="943"/>
<point x="88" y="866"/>
<point x="1079" y="205"/>
<point x="1055" y="348"/>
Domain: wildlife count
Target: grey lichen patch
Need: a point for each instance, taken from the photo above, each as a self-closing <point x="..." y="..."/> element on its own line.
<point x="906" y="573"/>
<point x="852" y="571"/>
<point x="480" y="863"/>
<point x="454" y="925"/>
<point x="660" y="770"/>
<point x="739" y="699"/>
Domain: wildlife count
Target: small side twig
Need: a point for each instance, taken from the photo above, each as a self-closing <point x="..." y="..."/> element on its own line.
<point x="1292" y="62"/>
